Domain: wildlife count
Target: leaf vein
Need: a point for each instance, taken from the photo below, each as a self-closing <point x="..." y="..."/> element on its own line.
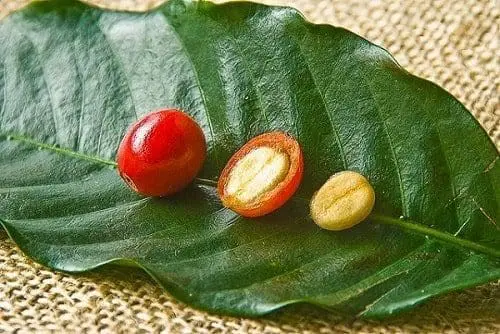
<point x="114" y="54"/>
<point x="44" y="79"/>
<point x="404" y="204"/>
<point x="195" y="74"/>
<point x="82" y="98"/>
<point x="336" y="131"/>
<point x="4" y="93"/>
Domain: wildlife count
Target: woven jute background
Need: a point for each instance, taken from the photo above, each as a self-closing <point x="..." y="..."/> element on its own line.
<point x="453" y="43"/>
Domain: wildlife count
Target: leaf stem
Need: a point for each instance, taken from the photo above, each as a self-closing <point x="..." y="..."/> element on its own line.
<point x="442" y="236"/>
<point x="206" y="182"/>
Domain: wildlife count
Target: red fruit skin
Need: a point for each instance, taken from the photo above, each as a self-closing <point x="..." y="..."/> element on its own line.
<point x="283" y="191"/>
<point x="161" y="153"/>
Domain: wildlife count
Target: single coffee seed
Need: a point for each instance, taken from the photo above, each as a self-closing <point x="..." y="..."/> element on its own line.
<point x="345" y="200"/>
<point x="256" y="173"/>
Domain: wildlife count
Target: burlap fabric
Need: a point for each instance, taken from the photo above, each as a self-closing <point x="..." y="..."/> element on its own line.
<point x="453" y="43"/>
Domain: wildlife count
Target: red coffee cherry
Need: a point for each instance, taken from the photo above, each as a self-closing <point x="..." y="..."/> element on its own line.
<point x="161" y="153"/>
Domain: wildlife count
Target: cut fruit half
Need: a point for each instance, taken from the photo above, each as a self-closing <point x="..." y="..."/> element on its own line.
<point x="262" y="175"/>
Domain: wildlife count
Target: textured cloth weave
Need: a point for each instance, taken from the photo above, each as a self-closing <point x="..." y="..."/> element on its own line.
<point x="453" y="43"/>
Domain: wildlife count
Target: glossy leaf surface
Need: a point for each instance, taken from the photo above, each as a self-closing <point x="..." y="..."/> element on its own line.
<point x="73" y="77"/>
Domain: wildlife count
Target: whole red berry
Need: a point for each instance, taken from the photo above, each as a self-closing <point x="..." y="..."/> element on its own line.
<point x="161" y="153"/>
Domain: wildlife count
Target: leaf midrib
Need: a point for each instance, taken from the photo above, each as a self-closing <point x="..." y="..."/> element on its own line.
<point x="405" y="224"/>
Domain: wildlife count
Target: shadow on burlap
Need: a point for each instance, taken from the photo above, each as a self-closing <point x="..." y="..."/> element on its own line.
<point x="451" y="43"/>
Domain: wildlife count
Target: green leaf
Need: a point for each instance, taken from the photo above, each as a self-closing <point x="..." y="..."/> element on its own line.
<point x="73" y="77"/>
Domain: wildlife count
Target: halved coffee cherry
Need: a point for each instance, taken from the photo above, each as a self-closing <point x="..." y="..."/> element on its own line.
<point x="262" y="175"/>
